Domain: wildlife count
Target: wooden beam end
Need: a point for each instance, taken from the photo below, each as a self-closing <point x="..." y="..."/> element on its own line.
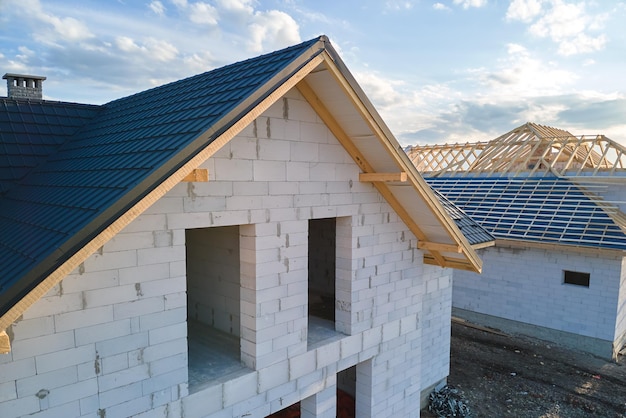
<point x="383" y="177"/>
<point x="197" y="175"/>
<point x="439" y="247"/>
<point x="5" y="343"/>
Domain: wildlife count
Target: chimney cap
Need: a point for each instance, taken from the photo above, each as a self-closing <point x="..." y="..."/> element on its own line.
<point x="13" y="75"/>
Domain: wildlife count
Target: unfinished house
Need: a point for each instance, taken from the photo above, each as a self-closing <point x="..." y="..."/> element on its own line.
<point x="227" y="245"/>
<point x="555" y="204"/>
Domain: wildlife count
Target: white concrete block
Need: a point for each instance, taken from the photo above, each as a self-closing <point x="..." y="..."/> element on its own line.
<point x="273" y="376"/>
<point x="122" y="344"/>
<point x="89" y="281"/>
<point x="138" y="307"/>
<point x="70" y="409"/>
<point x="73" y="392"/>
<point x="29" y="386"/>
<point x="165" y="380"/>
<point x="101" y="332"/>
<point x="167" y="333"/>
<point x="165" y="349"/>
<point x="240" y="388"/>
<point x="8" y="391"/>
<point x="30" y="328"/>
<point x="42" y="345"/>
<point x="123" y="377"/>
<point x="130" y="408"/>
<point x="65" y="358"/>
<point x="54" y="304"/>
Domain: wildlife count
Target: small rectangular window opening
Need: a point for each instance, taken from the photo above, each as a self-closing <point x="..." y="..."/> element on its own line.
<point x="576" y="277"/>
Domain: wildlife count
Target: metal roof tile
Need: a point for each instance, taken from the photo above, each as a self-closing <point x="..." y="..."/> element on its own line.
<point x="110" y="151"/>
<point x="547" y="210"/>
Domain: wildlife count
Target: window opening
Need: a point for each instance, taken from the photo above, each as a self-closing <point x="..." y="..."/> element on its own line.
<point x="576" y="278"/>
<point x="213" y="303"/>
<point x="322" y="249"/>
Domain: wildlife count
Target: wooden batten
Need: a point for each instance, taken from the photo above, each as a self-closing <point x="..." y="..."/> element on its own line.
<point x="439" y="247"/>
<point x="383" y="177"/>
<point x="197" y="175"/>
<point x="5" y="343"/>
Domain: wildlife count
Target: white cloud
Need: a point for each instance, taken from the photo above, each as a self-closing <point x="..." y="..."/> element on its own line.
<point x="524" y="10"/>
<point x="181" y="4"/>
<point x="48" y="28"/>
<point x="157" y="7"/>
<point x="466" y="4"/>
<point x="199" y="62"/>
<point x="440" y="6"/>
<point x="398" y="5"/>
<point x="581" y="44"/>
<point x="239" y="6"/>
<point x="272" y="30"/>
<point x="567" y="24"/>
<point x="522" y="75"/>
<point x="156" y="49"/>
<point x="203" y="13"/>
<point x="384" y="92"/>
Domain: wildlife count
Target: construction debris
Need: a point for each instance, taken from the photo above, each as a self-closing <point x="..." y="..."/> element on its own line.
<point x="447" y="402"/>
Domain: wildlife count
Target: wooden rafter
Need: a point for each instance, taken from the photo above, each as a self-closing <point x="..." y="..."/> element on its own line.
<point x="530" y="149"/>
<point x="197" y="175"/>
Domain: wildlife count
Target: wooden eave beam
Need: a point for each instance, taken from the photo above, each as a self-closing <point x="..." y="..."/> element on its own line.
<point x="400" y="177"/>
<point x="455" y="264"/>
<point x="5" y="343"/>
<point x="440" y="247"/>
<point x="197" y="175"/>
<point x="484" y="245"/>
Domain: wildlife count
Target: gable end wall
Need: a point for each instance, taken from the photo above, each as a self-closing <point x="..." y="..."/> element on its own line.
<point x="111" y="338"/>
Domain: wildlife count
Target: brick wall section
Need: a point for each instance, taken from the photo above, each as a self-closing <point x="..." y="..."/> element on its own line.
<point x="110" y="339"/>
<point x="526" y="285"/>
<point x="620" y="322"/>
<point x="436" y="311"/>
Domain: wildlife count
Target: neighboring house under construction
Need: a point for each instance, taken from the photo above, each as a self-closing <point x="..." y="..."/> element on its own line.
<point x="555" y="203"/>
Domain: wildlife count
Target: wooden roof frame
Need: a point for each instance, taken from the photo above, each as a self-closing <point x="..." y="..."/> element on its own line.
<point x="530" y="150"/>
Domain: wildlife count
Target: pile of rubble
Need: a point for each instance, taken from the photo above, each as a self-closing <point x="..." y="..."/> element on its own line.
<point x="446" y="402"/>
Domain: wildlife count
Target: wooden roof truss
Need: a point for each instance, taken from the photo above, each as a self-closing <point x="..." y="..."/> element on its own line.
<point x="530" y="151"/>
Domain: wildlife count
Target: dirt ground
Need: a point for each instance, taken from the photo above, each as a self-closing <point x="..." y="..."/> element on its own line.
<point x="505" y="376"/>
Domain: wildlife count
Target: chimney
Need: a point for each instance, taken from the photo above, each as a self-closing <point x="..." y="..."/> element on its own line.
<point x="20" y="86"/>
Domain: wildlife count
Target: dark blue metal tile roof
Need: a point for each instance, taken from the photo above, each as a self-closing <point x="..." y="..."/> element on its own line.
<point x="32" y="130"/>
<point x="474" y="233"/>
<point x="549" y="210"/>
<point x="118" y="156"/>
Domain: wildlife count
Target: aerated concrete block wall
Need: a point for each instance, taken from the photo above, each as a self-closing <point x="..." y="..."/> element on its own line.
<point x="111" y="339"/>
<point x="620" y="325"/>
<point x="526" y="285"/>
<point x="436" y="325"/>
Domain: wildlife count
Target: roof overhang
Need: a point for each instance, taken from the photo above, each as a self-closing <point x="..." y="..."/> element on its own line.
<point x="339" y="101"/>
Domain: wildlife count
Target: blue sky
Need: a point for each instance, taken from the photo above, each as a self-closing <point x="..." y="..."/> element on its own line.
<point x="437" y="71"/>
